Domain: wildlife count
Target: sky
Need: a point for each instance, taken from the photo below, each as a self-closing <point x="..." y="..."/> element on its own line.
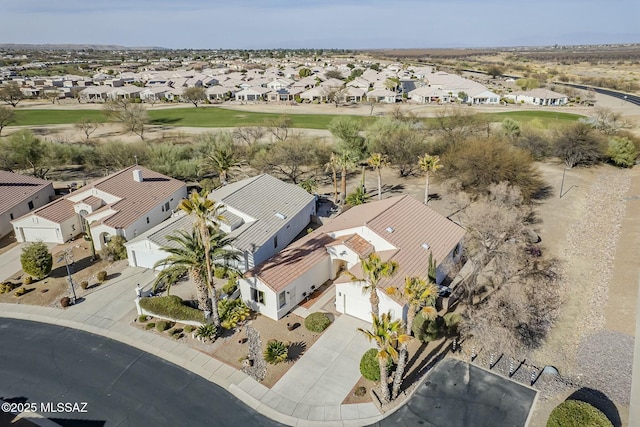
<point x="346" y="24"/>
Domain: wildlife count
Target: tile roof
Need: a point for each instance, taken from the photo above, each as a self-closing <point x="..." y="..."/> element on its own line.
<point x="261" y="198"/>
<point x="14" y="188"/>
<point x="57" y="211"/>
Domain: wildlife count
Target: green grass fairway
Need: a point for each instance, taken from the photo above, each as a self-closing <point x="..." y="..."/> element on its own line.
<point x="214" y="117"/>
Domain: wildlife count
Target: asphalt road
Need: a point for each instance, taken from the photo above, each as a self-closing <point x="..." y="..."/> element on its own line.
<point x="625" y="97"/>
<point x="121" y="385"/>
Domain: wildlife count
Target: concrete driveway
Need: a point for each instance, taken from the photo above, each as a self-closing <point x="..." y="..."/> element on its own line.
<point x="10" y="261"/>
<point x="327" y="372"/>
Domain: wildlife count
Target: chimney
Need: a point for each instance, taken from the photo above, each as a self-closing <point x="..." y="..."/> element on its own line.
<point x="137" y="175"/>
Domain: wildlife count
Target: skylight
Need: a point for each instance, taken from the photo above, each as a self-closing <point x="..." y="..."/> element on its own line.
<point x="281" y="215"/>
<point x="425" y="246"/>
<point x="389" y="229"/>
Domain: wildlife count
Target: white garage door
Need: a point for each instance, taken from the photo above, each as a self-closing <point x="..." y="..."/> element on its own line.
<point x="44" y="234"/>
<point x="146" y="259"/>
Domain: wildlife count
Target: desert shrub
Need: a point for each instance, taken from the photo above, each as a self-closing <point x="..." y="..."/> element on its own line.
<point x="622" y="152"/>
<point x="317" y="322"/>
<point x="7" y="287"/>
<point x="162" y="325"/>
<point x="20" y="291"/>
<point x="276" y="352"/>
<point x="171" y="306"/>
<point x="27" y="280"/>
<point x="232" y="312"/>
<point x="579" y="145"/>
<point x="230" y="287"/>
<point x="84" y="284"/>
<point x="369" y="366"/>
<point x="143" y="318"/>
<point x="451" y="322"/>
<point x="426" y="329"/>
<point x="101" y="276"/>
<point x="115" y="249"/>
<point x="150" y="325"/>
<point x="574" y="413"/>
<point x="360" y="391"/>
<point x="65" y="301"/>
<point x="36" y="260"/>
<point x="188" y="329"/>
<point x="208" y="331"/>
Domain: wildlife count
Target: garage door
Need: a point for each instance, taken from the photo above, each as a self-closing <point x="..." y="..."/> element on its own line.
<point x="146" y="259"/>
<point x="44" y="234"/>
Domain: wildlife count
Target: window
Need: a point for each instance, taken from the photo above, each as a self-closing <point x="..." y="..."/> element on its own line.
<point x="257" y="295"/>
<point x="147" y="220"/>
<point x="11" y="216"/>
<point x="166" y="207"/>
<point x="275" y="242"/>
<point x="30" y="204"/>
<point x="282" y="300"/>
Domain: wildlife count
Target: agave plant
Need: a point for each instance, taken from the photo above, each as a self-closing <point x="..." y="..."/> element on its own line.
<point x="276" y="352"/>
<point x="232" y="312"/>
<point x="207" y="331"/>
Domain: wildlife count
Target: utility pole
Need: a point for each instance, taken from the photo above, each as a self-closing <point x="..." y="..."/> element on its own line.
<point x="66" y="255"/>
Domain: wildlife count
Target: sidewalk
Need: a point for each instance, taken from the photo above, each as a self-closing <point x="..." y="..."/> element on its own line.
<point x="109" y="311"/>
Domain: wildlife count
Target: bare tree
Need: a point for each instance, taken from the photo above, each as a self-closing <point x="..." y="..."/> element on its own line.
<point x="280" y="127"/>
<point x="607" y="121"/>
<point x="7" y="117"/>
<point x="249" y="135"/>
<point x="87" y="126"/>
<point x="194" y="95"/>
<point x="133" y="117"/>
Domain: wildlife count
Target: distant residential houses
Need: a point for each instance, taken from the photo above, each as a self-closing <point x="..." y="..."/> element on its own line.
<point x="277" y="84"/>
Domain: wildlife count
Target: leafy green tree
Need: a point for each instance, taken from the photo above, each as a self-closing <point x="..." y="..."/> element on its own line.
<point x="495" y="71"/>
<point x="7" y="117"/>
<point x="374" y="270"/>
<point x="304" y="72"/>
<point x="347" y="131"/>
<point x="195" y="95"/>
<point x="292" y="158"/>
<point x="386" y="334"/>
<point x="575" y="413"/>
<point x="24" y="151"/>
<point x="428" y="164"/>
<point x="400" y="141"/>
<point x="358" y="197"/>
<point x="333" y="74"/>
<point x="115" y="249"/>
<point x="309" y="185"/>
<point x="36" y="260"/>
<point x="223" y="159"/>
<point x="345" y="161"/>
<point x="11" y="93"/>
<point x="579" y="145"/>
<point x="622" y="152"/>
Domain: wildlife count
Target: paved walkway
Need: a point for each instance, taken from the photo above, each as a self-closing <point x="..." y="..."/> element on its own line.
<point x="109" y="312"/>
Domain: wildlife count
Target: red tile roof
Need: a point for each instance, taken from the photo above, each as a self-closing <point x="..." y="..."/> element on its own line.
<point x="15" y="188"/>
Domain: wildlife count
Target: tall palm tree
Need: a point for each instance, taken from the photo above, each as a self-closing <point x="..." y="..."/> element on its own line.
<point x="378" y="161"/>
<point x="223" y="160"/>
<point x="345" y="161"/>
<point x="421" y="297"/>
<point x="386" y="334"/>
<point x="373" y="270"/>
<point x="205" y="211"/>
<point x="188" y="253"/>
<point x="428" y="164"/>
<point x="332" y="165"/>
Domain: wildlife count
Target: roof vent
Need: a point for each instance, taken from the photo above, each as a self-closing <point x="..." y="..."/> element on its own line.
<point x="137" y="175"/>
<point x="425" y="246"/>
<point x="281" y="215"/>
<point x="389" y="229"/>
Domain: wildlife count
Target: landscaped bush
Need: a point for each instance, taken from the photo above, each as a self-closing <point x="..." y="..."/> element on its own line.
<point x="232" y="312"/>
<point x="188" y="329"/>
<point x="276" y="352"/>
<point x="219" y="272"/>
<point x="84" y="284"/>
<point x="150" y="325"/>
<point x="451" y="322"/>
<point x="317" y="322"/>
<point x="101" y="276"/>
<point x="115" y="249"/>
<point x="7" y="287"/>
<point x="230" y="287"/>
<point x="27" y="280"/>
<point x="369" y="366"/>
<point x="208" y="331"/>
<point x="162" y="325"/>
<point x="171" y="306"/>
<point x="20" y="291"/>
<point x="574" y="413"/>
<point x="143" y="318"/>
<point x="425" y="329"/>
<point x="36" y="260"/>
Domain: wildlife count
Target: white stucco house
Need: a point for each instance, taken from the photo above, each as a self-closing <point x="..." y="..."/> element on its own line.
<point x="399" y="228"/>
<point x="20" y="194"/>
<point x="126" y="203"/>
<point x="263" y="215"/>
<point x="539" y="97"/>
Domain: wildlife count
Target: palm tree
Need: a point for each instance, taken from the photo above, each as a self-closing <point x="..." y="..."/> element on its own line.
<point x="205" y="211"/>
<point x="222" y="160"/>
<point x="378" y="161"/>
<point x="386" y="334"/>
<point x="374" y="269"/>
<point x="421" y="296"/>
<point x="188" y="253"/>
<point x="345" y="161"/>
<point x="428" y="164"/>
<point x="332" y="165"/>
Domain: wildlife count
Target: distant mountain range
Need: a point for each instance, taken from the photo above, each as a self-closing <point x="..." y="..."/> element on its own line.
<point x="20" y="46"/>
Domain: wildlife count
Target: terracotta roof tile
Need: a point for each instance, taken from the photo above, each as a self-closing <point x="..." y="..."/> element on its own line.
<point x="14" y="188"/>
